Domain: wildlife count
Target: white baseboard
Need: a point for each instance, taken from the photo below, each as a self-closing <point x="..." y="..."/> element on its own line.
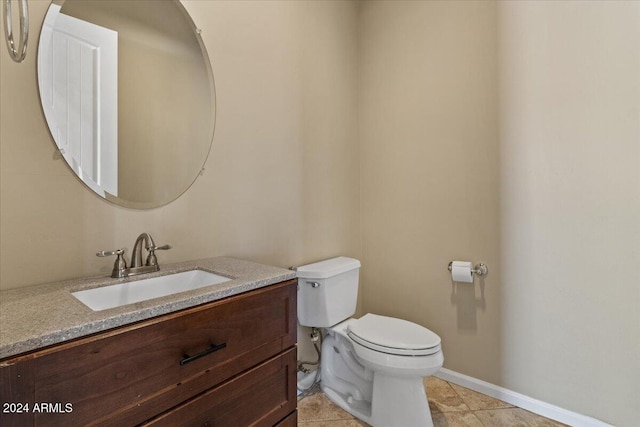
<point x="520" y="400"/>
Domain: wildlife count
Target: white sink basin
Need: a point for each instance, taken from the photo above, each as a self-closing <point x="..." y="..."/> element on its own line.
<point x="141" y="290"/>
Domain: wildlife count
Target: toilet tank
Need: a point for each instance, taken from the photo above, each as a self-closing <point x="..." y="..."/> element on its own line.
<point x="327" y="291"/>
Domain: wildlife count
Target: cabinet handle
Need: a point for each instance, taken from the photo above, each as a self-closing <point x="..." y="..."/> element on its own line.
<point x="186" y="358"/>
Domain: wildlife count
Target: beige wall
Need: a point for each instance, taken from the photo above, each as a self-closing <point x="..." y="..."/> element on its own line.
<point x="499" y="132"/>
<point x="430" y="171"/>
<point x="509" y="133"/>
<point x="281" y="183"/>
<point x="570" y="204"/>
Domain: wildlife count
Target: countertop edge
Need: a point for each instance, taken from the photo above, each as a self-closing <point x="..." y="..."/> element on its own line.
<point x="76" y="320"/>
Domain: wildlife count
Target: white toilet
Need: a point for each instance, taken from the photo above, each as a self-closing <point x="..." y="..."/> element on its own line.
<point x="371" y="367"/>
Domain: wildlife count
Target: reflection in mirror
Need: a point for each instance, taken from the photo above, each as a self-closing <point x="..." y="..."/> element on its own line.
<point x="127" y="91"/>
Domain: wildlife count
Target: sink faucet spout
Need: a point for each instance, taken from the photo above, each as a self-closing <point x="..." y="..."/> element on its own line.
<point x="137" y="266"/>
<point x="136" y="255"/>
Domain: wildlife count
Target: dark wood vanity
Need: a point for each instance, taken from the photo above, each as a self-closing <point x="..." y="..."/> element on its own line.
<point x="230" y="362"/>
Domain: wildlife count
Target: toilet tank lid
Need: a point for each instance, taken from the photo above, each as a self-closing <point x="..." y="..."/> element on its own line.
<point x="327" y="268"/>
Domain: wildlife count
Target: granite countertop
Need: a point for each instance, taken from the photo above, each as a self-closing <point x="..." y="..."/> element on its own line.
<point x="38" y="316"/>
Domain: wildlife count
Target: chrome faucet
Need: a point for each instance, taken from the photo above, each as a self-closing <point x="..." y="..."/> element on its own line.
<point x="120" y="268"/>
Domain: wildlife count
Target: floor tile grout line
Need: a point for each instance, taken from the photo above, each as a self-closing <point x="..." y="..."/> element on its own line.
<point x="474" y="412"/>
<point x="456" y="392"/>
<point x="479" y="420"/>
<point x="460" y="397"/>
<point x="479" y="409"/>
<point x="466" y="405"/>
<point x="439" y="411"/>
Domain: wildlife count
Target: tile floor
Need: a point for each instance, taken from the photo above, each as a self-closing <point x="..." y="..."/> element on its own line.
<point x="450" y="404"/>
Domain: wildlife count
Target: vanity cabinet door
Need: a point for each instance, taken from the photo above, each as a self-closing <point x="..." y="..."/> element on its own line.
<point x="128" y="375"/>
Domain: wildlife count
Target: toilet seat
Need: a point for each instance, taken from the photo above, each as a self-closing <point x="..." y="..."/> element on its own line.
<point x="393" y="336"/>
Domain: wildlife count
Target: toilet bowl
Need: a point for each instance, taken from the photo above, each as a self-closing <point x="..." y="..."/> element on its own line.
<point x="382" y="386"/>
<point x="372" y="367"/>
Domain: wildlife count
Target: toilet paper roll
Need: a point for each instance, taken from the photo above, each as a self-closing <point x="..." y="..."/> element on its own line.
<point x="461" y="271"/>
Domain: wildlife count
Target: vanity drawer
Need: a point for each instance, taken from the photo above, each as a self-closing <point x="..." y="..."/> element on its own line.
<point x="290" y="421"/>
<point x="128" y="375"/>
<point x="263" y="396"/>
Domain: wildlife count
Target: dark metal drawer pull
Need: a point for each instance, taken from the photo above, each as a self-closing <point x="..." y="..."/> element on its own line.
<point x="186" y="358"/>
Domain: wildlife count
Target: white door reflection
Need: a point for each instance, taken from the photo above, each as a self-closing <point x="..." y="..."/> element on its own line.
<point x="78" y="71"/>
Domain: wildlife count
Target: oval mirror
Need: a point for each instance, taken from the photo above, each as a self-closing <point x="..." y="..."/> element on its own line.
<point x="127" y="92"/>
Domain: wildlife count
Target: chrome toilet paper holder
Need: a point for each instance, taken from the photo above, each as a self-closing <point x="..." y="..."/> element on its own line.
<point x="479" y="270"/>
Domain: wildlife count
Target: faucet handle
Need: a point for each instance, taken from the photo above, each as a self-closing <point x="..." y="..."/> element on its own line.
<point x="117" y="252"/>
<point x="120" y="265"/>
<point x="151" y="258"/>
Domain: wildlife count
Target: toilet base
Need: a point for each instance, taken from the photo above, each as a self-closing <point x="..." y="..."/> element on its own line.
<point x="399" y="402"/>
<point x="374" y="397"/>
